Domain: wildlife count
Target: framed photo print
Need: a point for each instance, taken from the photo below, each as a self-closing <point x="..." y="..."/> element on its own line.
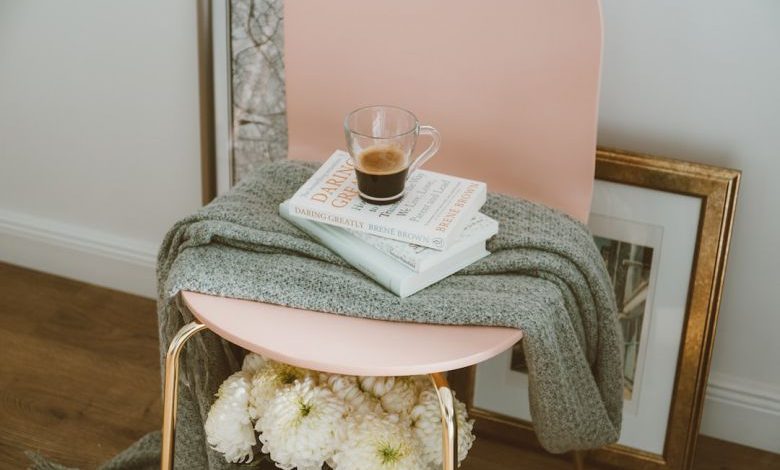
<point x="663" y="229"/>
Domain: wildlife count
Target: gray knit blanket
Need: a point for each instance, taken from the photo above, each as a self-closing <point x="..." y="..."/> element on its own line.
<point x="544" y="276"/>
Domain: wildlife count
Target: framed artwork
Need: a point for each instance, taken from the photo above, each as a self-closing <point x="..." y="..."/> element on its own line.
<point x="249" y="91"/>
<point x="663" y="229"/>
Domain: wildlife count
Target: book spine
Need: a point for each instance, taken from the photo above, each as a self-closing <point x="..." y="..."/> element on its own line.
<point x="299" y="208"/>
<point x="376" y="265"/>
<point x="455" y="232"/>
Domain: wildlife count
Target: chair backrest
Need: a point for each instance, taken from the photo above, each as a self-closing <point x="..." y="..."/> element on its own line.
<point x="511" y="85"/>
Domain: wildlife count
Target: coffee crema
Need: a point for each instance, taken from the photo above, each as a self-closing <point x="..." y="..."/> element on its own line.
<point x="381" y="174"/>
<point x="382" y="160"/>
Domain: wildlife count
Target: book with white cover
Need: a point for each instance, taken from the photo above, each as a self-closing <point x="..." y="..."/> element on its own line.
<point x="432" y="213"/>
<point x="382" y="268"/>
<point x="420" y="258"/>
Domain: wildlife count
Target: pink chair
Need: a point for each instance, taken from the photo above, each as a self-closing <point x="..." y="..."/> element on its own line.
<point x="513" y="89"/>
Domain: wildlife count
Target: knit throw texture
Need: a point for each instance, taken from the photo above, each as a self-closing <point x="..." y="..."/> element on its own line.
<point x="545" y="276"/>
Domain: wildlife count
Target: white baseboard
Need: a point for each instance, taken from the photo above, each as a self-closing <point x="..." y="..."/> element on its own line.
<point x="735" y="410"/>
<point x="742" y="411"/>
<point x="79" y="253"/>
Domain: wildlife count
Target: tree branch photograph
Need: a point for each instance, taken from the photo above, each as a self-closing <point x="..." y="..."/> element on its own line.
<point x="349" y="235"/>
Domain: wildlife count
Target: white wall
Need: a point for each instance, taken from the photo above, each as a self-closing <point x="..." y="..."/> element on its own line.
<point x="99" y="146"/>
<point x="700" y="80"/>
<point x="99" y="149"/>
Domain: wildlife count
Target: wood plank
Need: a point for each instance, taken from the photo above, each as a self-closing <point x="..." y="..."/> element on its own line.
<point x="79" y="373"/>
<point x="714" y="454"/>
<point x="491" y="455"/>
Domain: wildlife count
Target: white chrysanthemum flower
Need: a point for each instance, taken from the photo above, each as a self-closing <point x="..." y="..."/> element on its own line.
<point x="302" y="427"/>
<point x="253" y="363"/>
<point x="268" y="381"/>
<point x="376" y="443"/>
<point x="426" y="418"/>
<point x="228" y="428"/>
<point x="423" y="383"/>
<point x="346" y="387"/>
<point x="401" y="397"/>
<point x="376" y="386"/>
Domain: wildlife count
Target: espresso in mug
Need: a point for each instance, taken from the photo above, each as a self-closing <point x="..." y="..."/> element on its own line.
<point x="381" y="173"/>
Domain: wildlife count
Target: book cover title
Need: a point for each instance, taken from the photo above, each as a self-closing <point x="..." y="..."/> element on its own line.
<point x="332" y="189"/>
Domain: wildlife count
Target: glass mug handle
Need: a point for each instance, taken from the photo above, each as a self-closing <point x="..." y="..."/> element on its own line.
<point x="429" y="152"/>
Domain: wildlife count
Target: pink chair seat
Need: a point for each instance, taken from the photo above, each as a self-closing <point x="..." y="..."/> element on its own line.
<point x="346" y="345"/>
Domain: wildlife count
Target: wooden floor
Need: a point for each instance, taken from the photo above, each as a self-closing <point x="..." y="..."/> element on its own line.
<point x="79" y="381"/>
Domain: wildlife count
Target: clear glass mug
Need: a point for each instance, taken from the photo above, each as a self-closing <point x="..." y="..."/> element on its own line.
<point x="381" y="141"/>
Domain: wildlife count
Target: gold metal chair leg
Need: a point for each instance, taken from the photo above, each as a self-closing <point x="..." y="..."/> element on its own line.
<point x="171" y="392"/>
<point x="449" y="422"/>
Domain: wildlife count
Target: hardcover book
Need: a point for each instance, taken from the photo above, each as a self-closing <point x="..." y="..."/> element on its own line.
<point x="420" y="258"/>
<point x="386" y="270"/>
<point x="433" y="212"/>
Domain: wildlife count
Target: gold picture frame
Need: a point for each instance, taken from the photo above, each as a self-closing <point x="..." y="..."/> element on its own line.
<point x="717" y="189"/>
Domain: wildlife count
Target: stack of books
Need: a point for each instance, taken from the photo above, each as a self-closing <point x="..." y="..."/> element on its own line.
<point x="434" y="231"/>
